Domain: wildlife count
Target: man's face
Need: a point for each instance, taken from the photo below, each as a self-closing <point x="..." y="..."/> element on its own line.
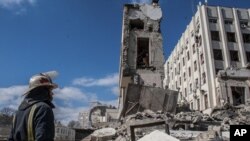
<point x="51" y="94"/>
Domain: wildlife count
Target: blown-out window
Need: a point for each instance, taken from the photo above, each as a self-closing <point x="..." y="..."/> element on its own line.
<point x="217" y="54"/>
<point x="136" y="24"/>
<point x="234" y="55"/>
<point x="142" y="52"/>
<point x="248" y="56"/>
<point x="231" y="37"/>
<point x="246" y="38"/>
<point x="215" y="35"/>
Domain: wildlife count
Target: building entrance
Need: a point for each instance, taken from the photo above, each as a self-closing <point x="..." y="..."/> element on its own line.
<point x="238" y="94"/>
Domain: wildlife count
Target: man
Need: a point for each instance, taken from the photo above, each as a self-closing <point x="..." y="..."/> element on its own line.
<point x="34" y="120"/>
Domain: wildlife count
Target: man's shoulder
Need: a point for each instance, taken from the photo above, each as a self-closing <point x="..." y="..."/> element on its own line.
<point x="43" y="104"/>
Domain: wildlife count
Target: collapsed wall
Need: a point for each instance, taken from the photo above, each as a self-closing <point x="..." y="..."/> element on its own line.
<point x="142" y="59"/>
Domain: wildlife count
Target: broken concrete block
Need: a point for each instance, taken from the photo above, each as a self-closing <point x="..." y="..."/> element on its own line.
<point x="197" y="119"/>
<point x="188" y="118"/>
<point x="158" y="136"/>
<point x="149" y="113"/>
<point x="208" y="136"/>
<point x="217" y="129"/>
<point x="103" y="134"/>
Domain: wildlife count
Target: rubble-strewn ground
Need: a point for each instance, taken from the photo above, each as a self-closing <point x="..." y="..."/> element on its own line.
<point x="187" y="125"/>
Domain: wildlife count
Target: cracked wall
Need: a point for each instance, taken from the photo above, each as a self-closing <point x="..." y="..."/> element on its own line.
<point x="142" y="59"/>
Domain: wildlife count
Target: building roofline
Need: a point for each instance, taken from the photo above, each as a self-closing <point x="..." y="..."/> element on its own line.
<point x="221" y="6"/>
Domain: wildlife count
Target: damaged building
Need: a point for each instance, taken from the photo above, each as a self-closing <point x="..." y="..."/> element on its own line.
<point x="142" y="61"/>
<point x="210" y="63"/>
<point x="202" y="71"/>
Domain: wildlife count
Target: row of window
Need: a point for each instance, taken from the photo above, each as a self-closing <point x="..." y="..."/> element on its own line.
<point x="231" y="37"/>
<point x="203" y="81"/>
<point x="197" y="39"/>
<point x="218" y="55"/>
<point x="226" y="21"/>
<point x="233" y="55"/>
<point x="177" y="70"/>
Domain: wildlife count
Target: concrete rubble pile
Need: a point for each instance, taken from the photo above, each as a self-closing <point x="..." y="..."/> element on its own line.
<point x="232" y="115"/>
<point x="192" y="125"/>
<point x="103" y="134"/>
<point x="180" y="121"/>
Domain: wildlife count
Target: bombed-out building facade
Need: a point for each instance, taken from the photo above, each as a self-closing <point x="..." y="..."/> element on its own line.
<point x="142" y="59"/>
<point x="210" y="63"/>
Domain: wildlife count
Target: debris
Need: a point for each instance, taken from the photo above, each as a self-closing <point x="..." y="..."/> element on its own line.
<point x="147" y="124"/>
<point x="208" y="136"/>
<point x="103" y="134"/>
<point x="158" y="136"/>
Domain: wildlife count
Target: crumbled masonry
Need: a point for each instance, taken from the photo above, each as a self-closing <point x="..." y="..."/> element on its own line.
<point x="185" y="125"/>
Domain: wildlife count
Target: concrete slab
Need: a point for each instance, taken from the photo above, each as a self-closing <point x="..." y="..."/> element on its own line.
<point x="103" y="134"/>
<point x="158" y="136"/>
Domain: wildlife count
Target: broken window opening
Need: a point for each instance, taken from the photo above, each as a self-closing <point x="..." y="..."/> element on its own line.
<point x="194" y="48"/>
<point x="185" y="92"/>
<point x="192" y="33"/>
<point x="189" y="71"/>
<point x="191" y="106"/>
<point x="206" y="101"/>
<point x="231" y="37"/>
<point x="238" y="94"/>
<point x="248" y="56"/>
<point x="150" y="28"/>
<point x="234" y="55"/>
<point x="215" y="35"/>
<point x="246" y="38"/>
<point x="203" y="78"/>
<point x="142" y="52"/>
<point x="184" y="75"/>
<point x="212" y="20"/>
<point x="228" y="22"/>
<point x="196" y="83"/>
<point x="202" y="58"/>
<point x="181" y="97"/>
<point x="179" y="68"/>
<point x="190" y="88"/>
<point x="198" y="104"/>
<point x="200" y="41"/>
<point x="218" y="54"/>
<point x="136" y="24"/>
<point x="195" y="65"/>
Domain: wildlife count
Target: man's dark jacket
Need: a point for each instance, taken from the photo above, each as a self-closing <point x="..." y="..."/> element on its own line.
<point x="43" y="120"/>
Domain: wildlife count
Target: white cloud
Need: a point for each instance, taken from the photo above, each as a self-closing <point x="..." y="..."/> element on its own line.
<point x="69" y="94"/>
<point x="15" y="3"/>
<point x="109" y="80"/>
<point x="115" y="91"/>
<point x="12" y="96"/>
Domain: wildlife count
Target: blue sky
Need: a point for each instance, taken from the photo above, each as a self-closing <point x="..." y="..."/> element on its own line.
<point x="81" y="39"/>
